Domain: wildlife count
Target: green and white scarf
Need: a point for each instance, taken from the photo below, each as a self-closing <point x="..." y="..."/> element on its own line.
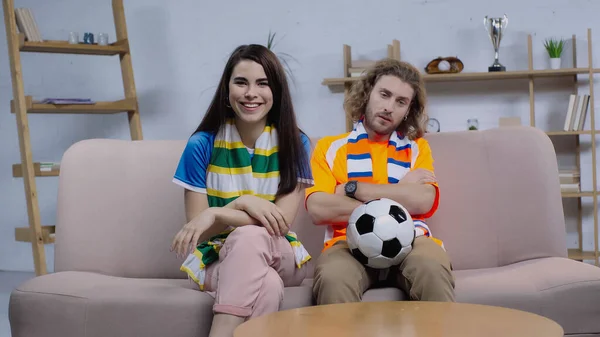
<point x="231" y="173"/>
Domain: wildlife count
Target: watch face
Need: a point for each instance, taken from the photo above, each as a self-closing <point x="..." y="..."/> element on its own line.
<point x="350" y="187"/>
<point x="433" y="125"/>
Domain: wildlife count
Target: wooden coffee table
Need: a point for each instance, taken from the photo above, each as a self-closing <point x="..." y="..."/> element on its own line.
<point x="402" y="318"/>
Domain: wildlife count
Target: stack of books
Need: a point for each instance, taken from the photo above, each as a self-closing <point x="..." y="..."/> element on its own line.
<point x="576" y="112"/>
<point x="569" y="181"/>
<point x="27" y="25"/>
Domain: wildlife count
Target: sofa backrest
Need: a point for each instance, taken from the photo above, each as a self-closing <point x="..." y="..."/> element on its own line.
<point x="118" y="208"/>
<point x="500" y="196"/>
<point x="500" y="199"/>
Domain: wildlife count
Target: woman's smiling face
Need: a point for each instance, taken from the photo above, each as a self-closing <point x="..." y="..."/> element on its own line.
<point x="250" y="95"/>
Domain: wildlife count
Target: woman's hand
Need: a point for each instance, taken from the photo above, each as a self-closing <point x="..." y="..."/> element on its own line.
<point x="187" y="239"/>
<point x="265" y="212"/>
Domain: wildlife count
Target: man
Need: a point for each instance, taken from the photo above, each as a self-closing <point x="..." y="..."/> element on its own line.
<point x="384" y="156"/>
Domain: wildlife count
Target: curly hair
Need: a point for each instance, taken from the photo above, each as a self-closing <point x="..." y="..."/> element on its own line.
<point x="355" y="103"/>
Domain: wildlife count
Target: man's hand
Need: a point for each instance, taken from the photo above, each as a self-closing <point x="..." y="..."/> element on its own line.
<point x="340" y="189"/>
<point x="419" y="176"/>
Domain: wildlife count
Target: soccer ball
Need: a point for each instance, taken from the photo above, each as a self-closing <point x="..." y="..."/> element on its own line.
<point x="380" y="233"/>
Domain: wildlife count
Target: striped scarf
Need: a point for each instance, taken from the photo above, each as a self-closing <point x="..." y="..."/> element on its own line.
<point x="232" y="173"/>
<point x="401" y="157"/>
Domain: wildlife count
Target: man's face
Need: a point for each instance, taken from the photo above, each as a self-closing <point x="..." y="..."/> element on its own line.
<point x="388" y="104"/>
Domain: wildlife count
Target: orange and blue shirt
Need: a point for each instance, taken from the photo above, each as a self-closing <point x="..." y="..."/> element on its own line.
<point x="385" y="163"/>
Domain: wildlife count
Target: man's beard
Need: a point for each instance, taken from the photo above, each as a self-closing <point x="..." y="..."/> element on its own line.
<point x="372" y="125"/>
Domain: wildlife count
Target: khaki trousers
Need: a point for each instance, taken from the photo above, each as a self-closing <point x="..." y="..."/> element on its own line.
<point x="425" y="274"/>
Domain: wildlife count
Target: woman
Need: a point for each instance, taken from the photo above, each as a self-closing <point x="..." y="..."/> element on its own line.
<point x="243" y="185"/>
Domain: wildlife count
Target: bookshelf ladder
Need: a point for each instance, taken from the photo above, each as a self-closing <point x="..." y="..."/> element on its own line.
<point x="22" y="105"/>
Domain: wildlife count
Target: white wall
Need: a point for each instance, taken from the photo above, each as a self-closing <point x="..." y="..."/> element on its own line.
<point x="179" y="49"/>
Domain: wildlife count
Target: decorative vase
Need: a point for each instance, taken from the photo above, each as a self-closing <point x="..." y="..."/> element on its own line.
<point x="555" y="63"/>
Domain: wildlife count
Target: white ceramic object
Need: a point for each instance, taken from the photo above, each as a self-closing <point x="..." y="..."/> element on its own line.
<point x="555" y="63"/>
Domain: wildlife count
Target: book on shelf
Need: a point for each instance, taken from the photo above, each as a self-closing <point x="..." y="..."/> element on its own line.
<point x="27" y="25"/>
<point x="49" y="166"/>
<point x="53" y="100"/>
<point x="577" y="111"/>
<point x="570" y="188"/>
<point x="569" y="181"/>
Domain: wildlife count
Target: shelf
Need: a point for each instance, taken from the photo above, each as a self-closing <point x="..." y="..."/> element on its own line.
<point x="64" y="47"/>
<point x="577" y="254"/>
<point x="18" y="172"/>
<point x="21" y="106"/>
<point x="124" y="105"/>
<point x="570" y="133"/>
<point x="481" y="76"/>
<point x="23" y="234"/>
<point x="577" y="194"/>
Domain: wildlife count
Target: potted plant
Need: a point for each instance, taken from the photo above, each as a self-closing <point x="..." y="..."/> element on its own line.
<point x="554" y="48"/>
<point x="283" y="57"/>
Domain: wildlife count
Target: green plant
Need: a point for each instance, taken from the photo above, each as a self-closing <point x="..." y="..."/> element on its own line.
<point x="283" y="57"/>
<point x="554" y="47"/>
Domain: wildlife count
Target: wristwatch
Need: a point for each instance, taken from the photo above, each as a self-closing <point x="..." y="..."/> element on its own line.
<point x="350" y="188"/>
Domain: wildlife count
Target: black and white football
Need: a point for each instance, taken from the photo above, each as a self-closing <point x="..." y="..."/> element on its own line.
<point x="380" y="233"/>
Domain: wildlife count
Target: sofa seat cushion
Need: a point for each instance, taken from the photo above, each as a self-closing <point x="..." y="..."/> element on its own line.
<point x="561" y="289"/>
<point x="90" y="304"/>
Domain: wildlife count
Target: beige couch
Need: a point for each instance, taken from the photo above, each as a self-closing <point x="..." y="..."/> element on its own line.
<point x="500" y="216"/>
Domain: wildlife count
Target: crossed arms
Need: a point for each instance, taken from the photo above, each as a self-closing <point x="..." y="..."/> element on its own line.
<point x="203" y="221"/>
<point x="415" y="192"/>
<point x="327" y="203"/>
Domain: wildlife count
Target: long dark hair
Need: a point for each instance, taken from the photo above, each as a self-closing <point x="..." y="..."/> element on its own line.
<point x="293" y="160"/>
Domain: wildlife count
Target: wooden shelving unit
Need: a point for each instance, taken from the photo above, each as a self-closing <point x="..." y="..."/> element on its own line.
<point x="124" y="105"/>
<point x="37" y="171"/>
<point x="530" y="75"/>
<point x="481" y="76"/>
<point x="22" y="105"/>
<point x="64" y="47"/>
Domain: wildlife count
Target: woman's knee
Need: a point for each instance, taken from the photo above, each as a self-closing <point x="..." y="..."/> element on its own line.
<point x="249" y="231"/>
<point x="270" y="295"/>
<point x="249" y="239"/>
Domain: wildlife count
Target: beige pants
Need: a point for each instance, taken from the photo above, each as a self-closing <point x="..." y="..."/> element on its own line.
<point x="425" y="274"/>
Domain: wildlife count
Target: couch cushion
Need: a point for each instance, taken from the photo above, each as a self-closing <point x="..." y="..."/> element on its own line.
<point x="88" y="304"/>
<point x="482" y="229"/>
<point x="561" y="289"/>
<point x="91" y="304"/>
